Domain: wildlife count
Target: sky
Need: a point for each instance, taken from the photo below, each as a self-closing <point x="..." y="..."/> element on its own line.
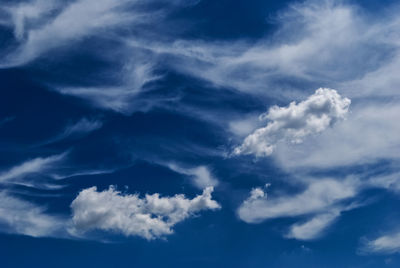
<point x="192" y="133"/>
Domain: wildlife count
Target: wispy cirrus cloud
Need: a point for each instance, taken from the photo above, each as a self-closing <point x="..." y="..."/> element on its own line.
<point x="385" y="244"/>
<point x="319" y="196"/>
<point x="23" y="217"/>
<point x="314" y="227"/>
<point x="327" y="42"/>
<point x="318" y="205"/>
<point x="42" y="26"/>
<point x="29" y="167"/>
<point x="322" y="201"/>
<point x="74" y="130"/>
<point x="202" y="176"/>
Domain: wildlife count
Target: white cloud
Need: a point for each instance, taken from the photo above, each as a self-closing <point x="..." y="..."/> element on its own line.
<point x="369" y="134"/>
<point x="202" y="176"/>
<point x="317" y="42"/>
<point x="314" y="227"/>
<point x="149" y="217"/>
<point x="389" y="181"/>
<point x="74" y="21"/>
<point x="322" y="201"/>
<point x="245" y="125"/>
<point x="21" y="217"/>
<point x="118" y="98"/>
<point x="296" y="121"/>
<point x="386" y="244"/>
<point x="36" y="165"/>
<point x="319" y="196"/>
<point x="81" y="127"/>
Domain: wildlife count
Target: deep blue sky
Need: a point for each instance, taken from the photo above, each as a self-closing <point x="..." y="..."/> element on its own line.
<point x="162" y="96"/>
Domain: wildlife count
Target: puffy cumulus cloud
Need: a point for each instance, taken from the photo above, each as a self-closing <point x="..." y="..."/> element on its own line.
<point x="296" y="121"/>
<point x="386" y="244"/>
<point x="202" y="177"/>
<point x="150" y="217"/>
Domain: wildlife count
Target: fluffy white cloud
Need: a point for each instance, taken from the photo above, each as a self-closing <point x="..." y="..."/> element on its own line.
<point x="202" y="176"/>
<point x="149" y="217"/>
<point x="296" y="121"/>
<point x="385" y="244"/>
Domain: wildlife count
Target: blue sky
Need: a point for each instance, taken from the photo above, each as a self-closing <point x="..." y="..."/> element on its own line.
<point x="189" y="133"/>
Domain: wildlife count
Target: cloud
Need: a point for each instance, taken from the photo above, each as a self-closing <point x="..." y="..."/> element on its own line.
<point x="118" y="98"/>
<point x="22" y="217"/>
<point x="54" y="28"/>
<point x="296" y="121"/>
<point x="201" y="175"/>
<point x="319" y="196"/>
<point x="33" y="166"/>
<point x="313" y="228"/>
<point x="368" y="135"/>
<point x="321" y="202"/>
<point x="48" y="30"/>
<point x="386" y="244"/>
<point x="150" y="217"/>
<point x="81" y="127"/>
<point x="328" y="42"/>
